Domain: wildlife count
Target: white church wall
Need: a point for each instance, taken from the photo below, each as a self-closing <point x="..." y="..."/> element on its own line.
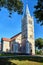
<point x="28" y="48"/>
<point x="16" y="44"/>
<point x="15" y="47"/>
<point x="18" y="39"/>
<point x="33" y="49"/>
<point x="6" y="46"/>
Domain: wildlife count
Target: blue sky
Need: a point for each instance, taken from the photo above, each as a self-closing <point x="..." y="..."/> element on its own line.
<point x="11" y="26"/>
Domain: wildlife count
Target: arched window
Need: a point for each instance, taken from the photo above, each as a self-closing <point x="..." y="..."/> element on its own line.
<point x="31" y="36"/>
<point x="30" y="22"/>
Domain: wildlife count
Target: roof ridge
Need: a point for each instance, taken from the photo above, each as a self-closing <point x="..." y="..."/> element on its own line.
<point x="15" y="35"/>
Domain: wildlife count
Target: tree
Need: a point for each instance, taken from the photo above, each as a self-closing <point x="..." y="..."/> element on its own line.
<point x="12" y="6"/>
<point x="38" y="12"/>
<point x="39" y="43"/>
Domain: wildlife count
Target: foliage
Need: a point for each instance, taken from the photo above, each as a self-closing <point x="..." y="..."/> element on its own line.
<point x="38" y="13"/>
<point x="39" y="42"/>
<point x="5" y="61"/>
<point x="39" y="52"/>
<point x="22" y="58"/>
<point x="12" y="6"/>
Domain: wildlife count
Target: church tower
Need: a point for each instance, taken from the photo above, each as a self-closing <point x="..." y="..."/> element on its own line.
<point x="28" y="44"/>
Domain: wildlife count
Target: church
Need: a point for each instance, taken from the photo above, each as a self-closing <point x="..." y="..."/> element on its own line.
<point x="24" y="41"/>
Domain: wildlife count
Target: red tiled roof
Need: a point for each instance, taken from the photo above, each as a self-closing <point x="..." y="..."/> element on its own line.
<point x="12" y="38"/>
<point x="6" y="39"/>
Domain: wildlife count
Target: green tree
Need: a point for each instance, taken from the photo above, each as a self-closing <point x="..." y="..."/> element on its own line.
<point x="12" y="6"/>
<point x="39" y="43"/>
<point x="38" y="12"/>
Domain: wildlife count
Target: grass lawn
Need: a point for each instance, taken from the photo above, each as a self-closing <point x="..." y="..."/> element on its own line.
<point x="25" y="62"/>
<point x="21" y="60"/>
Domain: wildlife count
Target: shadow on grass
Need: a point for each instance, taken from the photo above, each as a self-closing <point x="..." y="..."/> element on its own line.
<point x="4" y="61"/>
<point x="29" y="58"/>
<point x="23" y="56"/>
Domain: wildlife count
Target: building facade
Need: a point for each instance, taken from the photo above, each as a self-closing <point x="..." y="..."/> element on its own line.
<point x="24" y="41"/>
<point x="28" y="32"/>
<point x="11" y="45"/>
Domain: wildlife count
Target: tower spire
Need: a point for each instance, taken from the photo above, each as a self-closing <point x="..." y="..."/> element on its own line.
<point x="27" y="10"/>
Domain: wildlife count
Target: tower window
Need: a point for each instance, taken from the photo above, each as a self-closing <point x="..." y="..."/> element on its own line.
<point x="31" y="36"/>
<point x="30" y="22"/>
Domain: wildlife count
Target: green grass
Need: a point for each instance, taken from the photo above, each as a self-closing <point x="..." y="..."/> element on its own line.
<point x="25" y="62"/>
<point x="21" y="60"/>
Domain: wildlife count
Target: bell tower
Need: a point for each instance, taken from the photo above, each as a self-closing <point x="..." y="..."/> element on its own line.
<point x="28" y="44"/>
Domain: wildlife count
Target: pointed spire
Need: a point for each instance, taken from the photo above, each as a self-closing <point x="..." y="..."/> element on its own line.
<point x="27" y="10"/>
